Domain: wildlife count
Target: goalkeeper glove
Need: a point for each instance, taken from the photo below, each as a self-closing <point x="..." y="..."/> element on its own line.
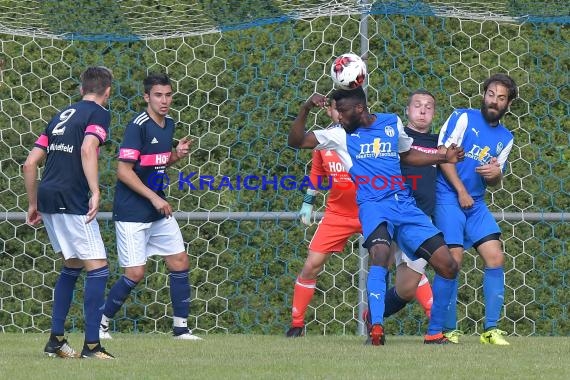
<point x="307" y="208"/>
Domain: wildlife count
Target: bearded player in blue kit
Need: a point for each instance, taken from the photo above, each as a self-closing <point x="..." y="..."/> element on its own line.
<point x="371" y="147"/>
<point x="461" y="213"/>
<point x="143" y="218"/>
<point x="67" y="200"/>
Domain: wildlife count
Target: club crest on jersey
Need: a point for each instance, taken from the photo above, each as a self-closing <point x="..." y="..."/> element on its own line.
<point x="389" y="131"/>
<point x="480" y="154"/>
<point x="499" y="147"/>
<point x="375" y="149"/>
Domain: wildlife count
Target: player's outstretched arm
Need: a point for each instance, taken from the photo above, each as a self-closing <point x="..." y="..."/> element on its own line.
<point x="415" y="157"/>
<point x="298" y="138"/>
<point x="30" y="170"/>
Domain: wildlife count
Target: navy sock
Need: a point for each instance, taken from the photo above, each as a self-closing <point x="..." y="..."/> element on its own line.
<point x="180" y="297"/>
<point x="117" y="296"/>
<point x="62" y="297"/>
<point x="393" y="302"/>
<point x="93" y="300"/>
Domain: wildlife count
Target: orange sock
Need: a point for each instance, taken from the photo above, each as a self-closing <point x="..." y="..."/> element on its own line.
<point x="302" y="295"/>
<point x="424" y="295"/>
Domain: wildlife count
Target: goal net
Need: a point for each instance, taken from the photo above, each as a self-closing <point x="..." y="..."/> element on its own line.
<point x="240" y="71"/>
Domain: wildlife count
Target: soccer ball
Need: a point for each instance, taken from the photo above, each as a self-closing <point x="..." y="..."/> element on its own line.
<point x="348" y="71"/>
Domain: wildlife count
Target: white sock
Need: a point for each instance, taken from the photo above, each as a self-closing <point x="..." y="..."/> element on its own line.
<point x="179" y="322"/>
<point x="105" y="320"/>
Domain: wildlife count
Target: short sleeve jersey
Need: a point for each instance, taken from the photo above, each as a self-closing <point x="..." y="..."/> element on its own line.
<point x="63" y="188"/>
<point x="481" y="142"/>
<point x="149" y="147"/>
<point x="421" y="179"/>
<point x="341" y="198"/>
<point x="371" y="156"/>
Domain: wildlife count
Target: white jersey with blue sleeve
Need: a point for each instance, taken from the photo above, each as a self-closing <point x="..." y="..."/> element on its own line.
<point x="371" y="156"/>
<point x="481" y="142"/>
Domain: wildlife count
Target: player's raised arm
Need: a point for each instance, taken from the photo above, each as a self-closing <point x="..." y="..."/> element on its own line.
<point x="298" y="138"/>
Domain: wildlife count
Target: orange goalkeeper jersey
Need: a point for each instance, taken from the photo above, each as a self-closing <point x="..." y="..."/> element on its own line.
<point x="342" y="194"/>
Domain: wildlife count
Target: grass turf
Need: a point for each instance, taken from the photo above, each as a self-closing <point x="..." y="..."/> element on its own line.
<point x="155" y="356"/>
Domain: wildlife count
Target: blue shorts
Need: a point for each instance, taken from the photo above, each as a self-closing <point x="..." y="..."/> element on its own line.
<point x="407" y="224"/>
<point x="465" y="227"/>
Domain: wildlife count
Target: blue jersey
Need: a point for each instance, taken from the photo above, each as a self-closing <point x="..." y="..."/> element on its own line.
<point x="481" y="142"/>
<point x="149" y="147"/>
<point x="63" y="187"/>
<point x="371" y="156"/>
<point x="421" y="179"/>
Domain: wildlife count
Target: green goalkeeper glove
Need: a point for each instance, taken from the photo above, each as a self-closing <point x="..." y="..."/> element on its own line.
<point x="306" y="211"/>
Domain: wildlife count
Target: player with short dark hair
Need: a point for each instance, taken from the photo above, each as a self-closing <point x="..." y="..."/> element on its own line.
<point x="371" y="147"/>
<point x="143" y="218"/>
<point x="461" y="212"/>
<point x="67" y="200"/>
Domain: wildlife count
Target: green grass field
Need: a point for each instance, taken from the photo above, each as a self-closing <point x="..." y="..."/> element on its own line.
<point x="144" y="356"/>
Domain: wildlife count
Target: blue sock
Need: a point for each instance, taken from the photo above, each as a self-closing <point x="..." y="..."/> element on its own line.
<point x="451" y="314"/>
<point x="180" y="297"/>
<point x="93" y="300"/>
<point x="376" y="286"/>
<point x="393" y="302"/>
<point x="117" y="296"/>
<point x="494" y="293"/>
<point x="442" y="289"/>
<point x="62" y="297"/>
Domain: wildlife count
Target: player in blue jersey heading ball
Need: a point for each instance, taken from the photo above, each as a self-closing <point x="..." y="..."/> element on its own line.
<point x="67" y="200"/>
<point x="461" y="213"/>
<point x="143" y="218"/>
<point x="371" y="147"/>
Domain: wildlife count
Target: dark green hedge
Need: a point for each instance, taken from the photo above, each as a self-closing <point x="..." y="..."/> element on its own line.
<point x="236" y="95"/>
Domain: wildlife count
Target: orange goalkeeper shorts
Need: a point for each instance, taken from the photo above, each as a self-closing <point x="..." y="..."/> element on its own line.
<point x="333" y="233"/>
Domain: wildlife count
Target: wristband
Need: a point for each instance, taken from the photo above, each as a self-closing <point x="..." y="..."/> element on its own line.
<point x="308" y="198"/>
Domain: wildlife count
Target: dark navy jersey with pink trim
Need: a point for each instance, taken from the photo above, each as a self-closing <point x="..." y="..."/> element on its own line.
<point x="421" y="179"/>
<point x="63" y="188"/>
<point x="148" y="146"/>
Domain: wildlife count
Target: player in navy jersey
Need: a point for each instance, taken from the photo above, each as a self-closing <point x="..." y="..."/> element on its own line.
<point x="411" y="281"/>
<point x="371" y="147"/>
<point x="67" y="200"/>
<point x="143" y="218"/>
<point x="461" y="212"/>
